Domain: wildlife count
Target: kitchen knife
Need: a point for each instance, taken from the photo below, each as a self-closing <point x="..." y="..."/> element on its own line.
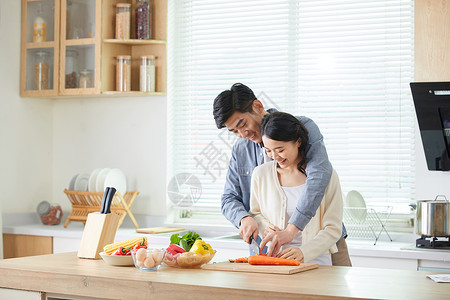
<point x="254" y="245"/>
<point x="109" y="199"/>
<point x="103" y="205"/>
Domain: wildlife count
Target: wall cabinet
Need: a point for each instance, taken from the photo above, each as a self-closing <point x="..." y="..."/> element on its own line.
<point x="69" y="48"/>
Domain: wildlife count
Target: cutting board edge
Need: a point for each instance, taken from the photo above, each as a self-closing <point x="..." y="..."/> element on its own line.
<point x="234" y="267"/>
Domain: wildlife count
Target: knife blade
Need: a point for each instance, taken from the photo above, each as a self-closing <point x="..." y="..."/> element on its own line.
<point x="109" y="199"/>
<point x="103" y="205"/>
<point x="254" y="246"/>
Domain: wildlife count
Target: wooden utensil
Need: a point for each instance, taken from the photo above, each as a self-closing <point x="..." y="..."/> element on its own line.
<point x="151" y="230"/>
<point x="245" y="267"/>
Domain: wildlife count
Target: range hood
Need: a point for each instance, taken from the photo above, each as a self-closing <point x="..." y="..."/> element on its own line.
<point x="432" y="104"/>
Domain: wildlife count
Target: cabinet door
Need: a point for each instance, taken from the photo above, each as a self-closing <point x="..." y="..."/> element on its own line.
<point x="80" y="47"/>
<point x="40" y="48"/>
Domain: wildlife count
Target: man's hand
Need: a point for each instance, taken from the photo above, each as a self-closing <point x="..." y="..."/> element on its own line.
<point x="248" y="228"/>
<point x="278" y="239"/>
<point x="292" y="253"/>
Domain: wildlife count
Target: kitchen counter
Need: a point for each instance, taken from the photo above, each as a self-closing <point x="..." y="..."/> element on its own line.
<point x="65" y="274"/>
<point x="399" y="254"/>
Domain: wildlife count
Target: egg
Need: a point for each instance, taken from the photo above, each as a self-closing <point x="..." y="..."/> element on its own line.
<point x="141" y="254"/>
<point x="157" y="257"/>
<point x="140" y="263"/>
<point x="149" y="262"/>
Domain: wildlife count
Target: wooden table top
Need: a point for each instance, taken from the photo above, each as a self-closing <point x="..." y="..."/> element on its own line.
<point x="66" y="274"/>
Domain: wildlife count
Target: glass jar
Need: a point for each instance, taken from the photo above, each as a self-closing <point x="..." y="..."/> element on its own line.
<point x="39" y="26"/>
<point x="71" y="69"/>
<point x="143" y="20"/>
<point x="41" y="70"/>
<point x="147" y="73"/>
<point x="123" y="73"/>
<point x="85" y="80"/>
<point x="123" y="21"/>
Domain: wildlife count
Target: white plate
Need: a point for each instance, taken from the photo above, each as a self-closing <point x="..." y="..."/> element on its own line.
<point x="356" y="202"/>
<point x="72" y="183"/>
<point x="117" y="179"/>
<point x="81" y="183"/>
<point x="117" y="260"/>
<point x="93" y="180"/>
<point x="100" y="181"/>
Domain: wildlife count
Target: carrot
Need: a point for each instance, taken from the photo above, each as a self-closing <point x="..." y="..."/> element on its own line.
<point x="242" y="260"/>
<point x="267" y="260"/>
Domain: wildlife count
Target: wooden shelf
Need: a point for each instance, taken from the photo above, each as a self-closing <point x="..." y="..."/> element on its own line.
<point x="133" y="93"/>
<point x="134" y="42"/>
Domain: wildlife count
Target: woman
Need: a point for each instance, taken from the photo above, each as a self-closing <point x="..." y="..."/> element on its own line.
<point x="277" y="186"/>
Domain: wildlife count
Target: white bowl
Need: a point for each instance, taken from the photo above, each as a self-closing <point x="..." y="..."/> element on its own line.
<point x="117" y="260"/>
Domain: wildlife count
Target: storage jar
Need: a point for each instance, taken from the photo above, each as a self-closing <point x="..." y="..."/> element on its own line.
<point x="86" y="79"/>
<point x="71" y="69"/>
<point x="147" y="73"/>
<point x="123" y="21"/>
<point x="41" y="70"/>
<point x="123" y="73"/>
<point x="143" y="20"/>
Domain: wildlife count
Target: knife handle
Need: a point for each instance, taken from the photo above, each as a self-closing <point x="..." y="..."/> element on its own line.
<point x="109" y="199"/>
<point x="103" y="205"/>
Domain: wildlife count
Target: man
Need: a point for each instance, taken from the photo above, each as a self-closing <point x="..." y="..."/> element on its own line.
<point x="240" y="112"/>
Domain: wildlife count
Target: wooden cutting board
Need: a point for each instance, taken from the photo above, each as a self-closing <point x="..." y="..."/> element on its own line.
<point x="151" y="230"/>
<point x="245" y="267"/>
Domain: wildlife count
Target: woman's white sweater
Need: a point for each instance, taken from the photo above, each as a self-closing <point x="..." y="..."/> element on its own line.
<point x="268" y="206"/>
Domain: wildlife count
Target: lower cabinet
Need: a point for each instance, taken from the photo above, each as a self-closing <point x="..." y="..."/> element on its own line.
<point x="19" y="245"/>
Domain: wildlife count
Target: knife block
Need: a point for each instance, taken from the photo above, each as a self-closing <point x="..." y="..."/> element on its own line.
<point x="99" y="231"/>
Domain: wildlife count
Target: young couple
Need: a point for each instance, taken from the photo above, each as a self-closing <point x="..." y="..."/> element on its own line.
<point x="280" y="183"/>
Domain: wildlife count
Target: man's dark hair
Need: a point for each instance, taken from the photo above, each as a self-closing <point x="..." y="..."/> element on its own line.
<point x="284" y="127"/>
<point x="238" y="98"/>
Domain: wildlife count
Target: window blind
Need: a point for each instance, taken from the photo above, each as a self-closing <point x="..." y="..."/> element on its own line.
<point x="345" y="64"/>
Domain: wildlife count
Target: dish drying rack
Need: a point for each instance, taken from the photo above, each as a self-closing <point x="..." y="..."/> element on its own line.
<point x="367" y="222"/>
<point x="84" y="203"/>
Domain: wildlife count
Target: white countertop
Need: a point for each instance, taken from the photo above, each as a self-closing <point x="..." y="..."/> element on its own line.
<point x="400" y="248"/>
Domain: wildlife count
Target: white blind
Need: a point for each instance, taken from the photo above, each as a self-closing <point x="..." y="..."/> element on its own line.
<point x="345" y="64"/>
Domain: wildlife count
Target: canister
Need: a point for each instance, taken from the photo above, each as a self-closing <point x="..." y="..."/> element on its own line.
<point x="86" y="80"/>
<point x="123" y="73"/>
<point x="147" y="73"/>
<point x="41" y="70"/>
<point x="142" y="13"/>
<point x="71" y="69"/>
<point x="123" y="21"/>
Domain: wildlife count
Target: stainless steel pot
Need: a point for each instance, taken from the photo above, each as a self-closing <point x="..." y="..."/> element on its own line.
<point x="433" y="217"/>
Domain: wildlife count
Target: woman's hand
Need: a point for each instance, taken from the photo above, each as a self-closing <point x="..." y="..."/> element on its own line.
<point x="292" y="253"/>
<point x="269" y="229"/>
<point x="278" y="239"/>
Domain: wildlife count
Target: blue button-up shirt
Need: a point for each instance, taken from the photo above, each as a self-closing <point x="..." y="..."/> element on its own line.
<point x="246" y="155"/>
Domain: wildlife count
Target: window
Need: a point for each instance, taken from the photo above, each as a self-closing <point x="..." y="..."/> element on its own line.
<point x="345" y="64"/>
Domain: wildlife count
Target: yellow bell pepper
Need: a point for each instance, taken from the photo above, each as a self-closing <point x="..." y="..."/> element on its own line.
<point x="201" y="247"/>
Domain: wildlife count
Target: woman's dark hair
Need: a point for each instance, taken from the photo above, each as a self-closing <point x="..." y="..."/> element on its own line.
<point x="238" y="98"/>
<point x="281" y="126"/>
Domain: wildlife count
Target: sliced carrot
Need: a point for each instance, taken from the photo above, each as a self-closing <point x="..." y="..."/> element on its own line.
<point x="267" y="260"/>
<point x="242" y="260"/>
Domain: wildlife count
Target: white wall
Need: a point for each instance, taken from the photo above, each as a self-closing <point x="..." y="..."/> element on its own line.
<point x="25" y="126"/>
<point x="45" y="142"/>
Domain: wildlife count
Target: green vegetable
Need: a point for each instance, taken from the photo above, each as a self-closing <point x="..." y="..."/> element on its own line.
<point x="186" y="241"/>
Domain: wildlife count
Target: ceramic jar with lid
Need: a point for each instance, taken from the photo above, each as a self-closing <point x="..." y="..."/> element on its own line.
<point x="49" y="214"/>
